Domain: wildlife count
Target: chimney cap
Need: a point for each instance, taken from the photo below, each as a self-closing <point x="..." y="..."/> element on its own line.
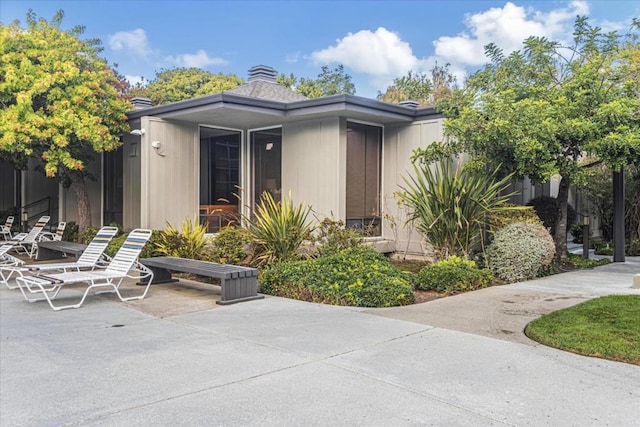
<point x="140" y="103"/>
<point x="262" y="72"/>
<point x="409" y="103"/>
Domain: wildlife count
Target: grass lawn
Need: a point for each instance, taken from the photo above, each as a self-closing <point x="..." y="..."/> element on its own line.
<point x="606" y="327"/>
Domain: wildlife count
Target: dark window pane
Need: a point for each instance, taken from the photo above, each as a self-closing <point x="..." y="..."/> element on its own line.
<point x="266" y="147"/>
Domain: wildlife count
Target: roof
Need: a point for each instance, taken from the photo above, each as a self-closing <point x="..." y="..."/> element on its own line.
<point x="262" y="89"/>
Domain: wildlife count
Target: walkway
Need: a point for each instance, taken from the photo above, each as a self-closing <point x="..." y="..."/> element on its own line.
<point x="283" y="362"/>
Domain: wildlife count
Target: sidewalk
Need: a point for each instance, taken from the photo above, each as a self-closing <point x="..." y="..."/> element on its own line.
<point x="284" y="362"/>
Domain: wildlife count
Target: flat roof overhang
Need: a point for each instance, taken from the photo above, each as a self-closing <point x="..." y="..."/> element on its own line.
<point x="242" y="112"/>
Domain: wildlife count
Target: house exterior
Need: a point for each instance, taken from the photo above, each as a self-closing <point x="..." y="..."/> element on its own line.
<point x="215" y="155"/>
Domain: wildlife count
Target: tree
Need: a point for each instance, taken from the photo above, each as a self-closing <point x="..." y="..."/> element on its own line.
<point x="329" y="82"/>
<point x="59" y="102"/>
<point x="420" y="87"/>
<point x="177" y="84"/>
<point x="539" y="110"/>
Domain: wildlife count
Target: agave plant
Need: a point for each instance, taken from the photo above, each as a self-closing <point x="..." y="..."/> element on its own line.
<point x="450" y="204"/>
<point x="188" y="242"/>
<point x="278" y="228"/>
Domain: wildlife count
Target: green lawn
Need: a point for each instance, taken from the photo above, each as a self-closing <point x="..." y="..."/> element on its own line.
<point x="607" y="327"/>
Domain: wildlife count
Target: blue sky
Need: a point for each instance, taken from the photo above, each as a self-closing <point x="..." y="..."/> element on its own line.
<point x="375" y="40"/>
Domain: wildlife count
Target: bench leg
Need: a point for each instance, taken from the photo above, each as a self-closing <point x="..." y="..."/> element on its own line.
<point x="160" y="275"/>
<point x="43" y="254"/>
<point x="238" y="290"/>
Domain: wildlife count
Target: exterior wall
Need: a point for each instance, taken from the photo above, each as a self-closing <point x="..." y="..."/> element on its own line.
<point x="313" y="165"/>
<point x="398" y="146"/>
<point x="68" y="203"/>
<point x="132" y="175"/>
<point x="7" y="186"/>
<point x="170" y="175"/>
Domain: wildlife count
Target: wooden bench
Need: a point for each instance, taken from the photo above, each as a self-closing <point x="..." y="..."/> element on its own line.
<point x="56" y="249"/>
<point x="238" y="284"/>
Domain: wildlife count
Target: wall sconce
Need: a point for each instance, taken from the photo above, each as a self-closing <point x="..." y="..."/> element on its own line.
<point x="137" y="132"/>
<point x="157" y="145"/>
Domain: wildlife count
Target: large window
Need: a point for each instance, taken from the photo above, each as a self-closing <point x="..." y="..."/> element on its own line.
<point x="364" y="147"/>
<point x="113" y="186"/>
<point x="266" y="148"/>
<point x="219" y="177"/>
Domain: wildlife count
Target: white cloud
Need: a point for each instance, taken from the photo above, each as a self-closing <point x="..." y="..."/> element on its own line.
<point x="133" y="80"/>
<point x="292" y="58"/>
<point x="200" y="59"/>
<point x="134" y="41"/>
<point x="382" y="54"/>
<point x="507" y="27"/>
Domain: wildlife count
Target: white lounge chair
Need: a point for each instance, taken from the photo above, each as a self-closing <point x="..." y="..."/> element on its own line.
<point x="91" y="258"/>
<point x="5" y="230"/>
<point x="7" y="263"/>
<point x="28" y="243"/>
<point x="57" y="236"/>
<point x="122" y="266"/>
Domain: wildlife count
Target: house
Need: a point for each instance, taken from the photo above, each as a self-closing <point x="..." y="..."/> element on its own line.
<point x="213" y="157"/>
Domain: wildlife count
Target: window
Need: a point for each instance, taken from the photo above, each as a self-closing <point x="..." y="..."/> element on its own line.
<point x="113" y="186"/>
<point x="266" y="148"/>
<point x="219" y="177"/>
<point x="364" y="148"/>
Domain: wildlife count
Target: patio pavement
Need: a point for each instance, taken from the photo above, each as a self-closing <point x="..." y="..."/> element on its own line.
<point x="176" y="358"/>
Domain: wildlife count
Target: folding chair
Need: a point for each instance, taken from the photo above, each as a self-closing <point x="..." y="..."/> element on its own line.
<point x="91" y="258"/>
<point x="57" y="236"/>
<point x="27" y="243"/>
<point x="7" y="263"/>
<point x="123" y="265"/>
<point x="5" y="230"/>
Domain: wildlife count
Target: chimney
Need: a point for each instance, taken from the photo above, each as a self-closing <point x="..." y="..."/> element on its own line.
<point x="409" y="103"/>
<point x="140" y="103"/>
<point x="262" y="72"/>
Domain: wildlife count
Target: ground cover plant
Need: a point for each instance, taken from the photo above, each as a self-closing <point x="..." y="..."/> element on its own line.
<point x="453" y="275"/>
<point x="606" y="327"/>
<point x="356" y="276"/>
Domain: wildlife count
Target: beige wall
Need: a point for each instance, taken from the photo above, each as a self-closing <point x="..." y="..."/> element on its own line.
<point x="131" y="176"/>
<point x="313" y="164"/>
<point x="398" y="146"/>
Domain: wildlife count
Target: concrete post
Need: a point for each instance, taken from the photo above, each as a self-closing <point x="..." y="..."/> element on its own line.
<point x="618" y="216"/>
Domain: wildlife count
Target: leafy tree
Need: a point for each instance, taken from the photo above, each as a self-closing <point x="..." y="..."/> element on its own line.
<point x="59" y="102"/>
<point x="329" y="82"/>
<point x="537" y="111"/>
<point x="423" y="88"/>
<point x="177" y="84"/>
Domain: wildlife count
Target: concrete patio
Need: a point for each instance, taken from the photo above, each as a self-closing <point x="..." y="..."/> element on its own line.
<point x="176" y="358"/>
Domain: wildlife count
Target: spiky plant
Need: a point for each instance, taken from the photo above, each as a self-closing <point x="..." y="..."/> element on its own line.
<point x="188" y="242"/>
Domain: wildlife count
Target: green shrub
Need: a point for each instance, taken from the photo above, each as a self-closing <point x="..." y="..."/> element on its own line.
<point x="332" y="236"/>
<point x="70" y="232"/>
<point x="576" y="232"/>
<point x="357" y="276"/>
<point x="452" y="276"/>
<point x="548" y="210"/>
<point x="188" y="242"/>
<point x="87" y="234"/>
<point x="229" y="246"/>
<point x="148" y="251"/>
<point x="278" y="229"/>
<point x="518" y="213"/>
<point x="579" y="262"/>
<point x="520" y="251"/>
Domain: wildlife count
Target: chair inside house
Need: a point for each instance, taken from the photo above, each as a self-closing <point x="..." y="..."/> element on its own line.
<point x="7" y="262"/>
<point x="92" y="257"/>
<point x="5" y="230"/>
<point x="57" y="236"/>
<point x="27" y="243"/>
<point x="123" y="265"/>
<point x="216" y="217"/>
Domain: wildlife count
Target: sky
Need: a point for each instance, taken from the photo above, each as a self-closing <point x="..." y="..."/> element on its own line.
<point x="376" y="41"/>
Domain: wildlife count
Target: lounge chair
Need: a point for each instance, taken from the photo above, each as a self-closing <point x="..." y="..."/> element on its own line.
<point x="91" y="258"/>
<point x="5" y="229"/>
<point x="7" y="263"/>
<point x="28" y="243"/>
<point x="122" y="266"/>
<point x="57" y="236"/>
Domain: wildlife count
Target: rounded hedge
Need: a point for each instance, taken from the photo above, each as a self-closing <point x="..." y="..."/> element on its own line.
<point x="548" y="210"/>
<point x="520" y="251"/>
<point x="452" y="276"/>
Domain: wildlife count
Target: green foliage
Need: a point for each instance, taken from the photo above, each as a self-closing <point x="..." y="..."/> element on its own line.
<point x="520" y="251"/>
<point x="177" y="84"/>
<point x="605" y="327"/>
<point x="579" y="262"/>
<point x="518" y="214"/>
<point x="278" y="229"/>
<point x="577" y="232"/>
<point x="86" y="235"/>
<point x="329" y="82"/>
<point x="148" y="251"/>
<point x="70" y="233"/>
<point x="450" y="204"/>
<point x="548" y="209"/>
<point x="453" y="275"/>
<point x="332" y="236"/>
<point x="422" y="88"/>
<point x="605" y="247"/>
<point x="229" y="246"/>
<point x="188" y="242"/>
<point x="357" y="276"/>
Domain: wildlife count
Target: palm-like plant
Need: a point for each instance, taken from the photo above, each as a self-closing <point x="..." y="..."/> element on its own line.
<point x="450" y="203"/>
<point x="278" y="228"/>
<point x="189" y="242"/>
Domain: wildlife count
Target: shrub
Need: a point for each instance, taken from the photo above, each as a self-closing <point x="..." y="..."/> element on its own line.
<point x="452" y="276"/>
<point x="357" y="276"/>
<point x="548" y="210"/>
<point x="148" y="251"/>
<point x="332" y="236"/>
<point x="229" y="246"/>
<point x="70" y="232"/>
<point x="189" y="242"/>
<point x="517" y="214"/>
<point x="520" y="251"/>
<point x="278" y="229"/>
<point x="87" y="234"/>
<point x="449" y="204"/>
